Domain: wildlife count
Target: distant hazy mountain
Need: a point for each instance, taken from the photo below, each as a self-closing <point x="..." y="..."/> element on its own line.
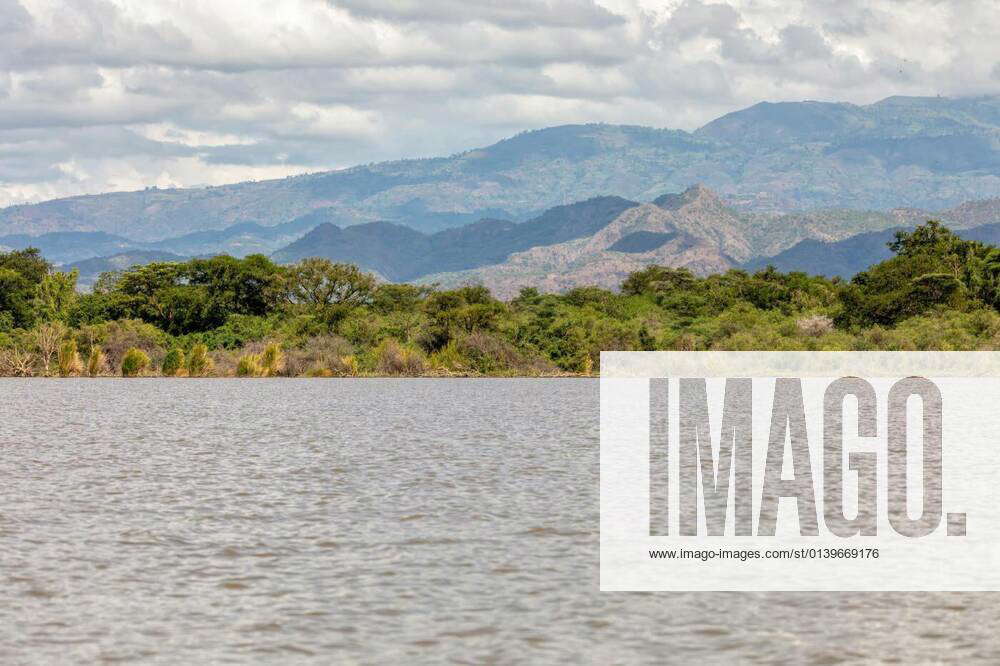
<point x="65" y="246"/>
<point x="839" y="258"/>
<point x="245" y="238"/>
<point x="91" y="269"/>
<point x="693" y="230"/>
<point x="600" y="240"/>
<point x="400" y="253"/>
<point x="238" y="240"/>
<point x="696" y="230"/>
<point x="916" y="152"/>
<point x="852" y="255"/>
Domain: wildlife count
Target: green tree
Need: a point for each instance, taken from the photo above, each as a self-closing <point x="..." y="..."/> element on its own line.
<point x="55" y="296"/>
<point x="932" y="267"/>
<point x="658" y="279"/>
<point x="330" y="290"/>
<point x="248" y="286"/>
<point x="21" y="271"/>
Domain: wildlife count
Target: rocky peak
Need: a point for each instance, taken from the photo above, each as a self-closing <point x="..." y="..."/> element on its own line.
<point x="697" y="195"/>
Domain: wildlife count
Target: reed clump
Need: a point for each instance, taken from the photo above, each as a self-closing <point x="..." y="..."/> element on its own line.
<point x="267" y="363"/>
<point x="69" y="359"/>
<point x="96" y="362"/>
<point x="199" y="364"/>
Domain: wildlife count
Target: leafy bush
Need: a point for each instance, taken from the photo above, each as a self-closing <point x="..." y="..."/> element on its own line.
<point x="267" y="363"/>
<point x="489" y="354"/>
<point x="238" y="331"/>
<point x="346" y="366"/>
<point x="173" y="362"/>
<point x="134" y="362"/>
<point x="272" y="360"/>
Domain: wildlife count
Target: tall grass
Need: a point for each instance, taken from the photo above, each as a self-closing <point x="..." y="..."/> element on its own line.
<point x="268" y="363"/>
<point x="249" y="366"/>
<point x="69" y="359"/>
<point x="97" y="362"/>
<point x="199" y="364"/>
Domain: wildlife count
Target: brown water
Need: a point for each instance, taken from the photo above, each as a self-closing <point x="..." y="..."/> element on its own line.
<point x="368" y="521"/>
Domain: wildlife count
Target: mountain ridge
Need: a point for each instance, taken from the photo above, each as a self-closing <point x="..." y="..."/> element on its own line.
<point x="400" y="253"/>
<point x="917" y="152"/>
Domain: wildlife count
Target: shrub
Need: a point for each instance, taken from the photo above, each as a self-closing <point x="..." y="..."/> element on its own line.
<point x="450" y="358"/>
<point x="223" y="363"/>
<point x="488" y="354"/>
<point x="69" y="359"/>
<point x="134" y="362"/>
<point x="393" y="359"/>
<point x="117" y="337"/>
<point x="199" y="364"/>
<point x="17" y="362"/>
<point x="360" y="329"/>
<point x="815" y="325"/>
<point x="239" y="330"/>
<point x="322" y="352"/>
<point x="173" y="362"/>
<point x="96" y="363"/>
<point x="47" y="339"/>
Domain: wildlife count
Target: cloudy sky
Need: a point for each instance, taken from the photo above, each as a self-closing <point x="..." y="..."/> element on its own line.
<point x="99" y="95"/>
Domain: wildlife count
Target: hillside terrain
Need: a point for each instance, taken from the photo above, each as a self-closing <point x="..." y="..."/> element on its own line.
<point x="696" y="230"/>
<point x="596" y="241"/>
<point x="852" y="255"/>
<point x="399" y="253"/>
<point x="919" y="152"/>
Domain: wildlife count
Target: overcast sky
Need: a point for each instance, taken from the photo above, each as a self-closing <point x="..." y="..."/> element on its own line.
<point x="99" y="95"/>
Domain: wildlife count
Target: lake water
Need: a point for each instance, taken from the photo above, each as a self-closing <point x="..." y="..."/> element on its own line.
<point x="368" y="521"/>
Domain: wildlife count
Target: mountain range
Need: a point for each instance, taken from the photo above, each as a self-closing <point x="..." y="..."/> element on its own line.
<point x="852" y="255"/>
<point x="793" y="184"/>
<point x="597" y="241"/>
<point x="698" y="231"/>
<point x="926" y="152"/>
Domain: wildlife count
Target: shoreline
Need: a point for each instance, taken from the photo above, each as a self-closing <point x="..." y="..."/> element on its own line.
<point x="373" y="376"/>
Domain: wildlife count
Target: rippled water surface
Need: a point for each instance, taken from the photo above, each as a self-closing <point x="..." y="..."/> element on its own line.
<point x="368" y="521"/>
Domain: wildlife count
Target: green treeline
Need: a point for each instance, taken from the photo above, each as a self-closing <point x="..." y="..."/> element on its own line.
<point x="251" y="317"/>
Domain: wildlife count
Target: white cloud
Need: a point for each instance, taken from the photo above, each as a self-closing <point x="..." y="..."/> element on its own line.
<point x="109" y="94"/>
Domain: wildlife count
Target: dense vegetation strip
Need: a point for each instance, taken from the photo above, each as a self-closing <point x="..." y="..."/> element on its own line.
<point x="224" y="316"/>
